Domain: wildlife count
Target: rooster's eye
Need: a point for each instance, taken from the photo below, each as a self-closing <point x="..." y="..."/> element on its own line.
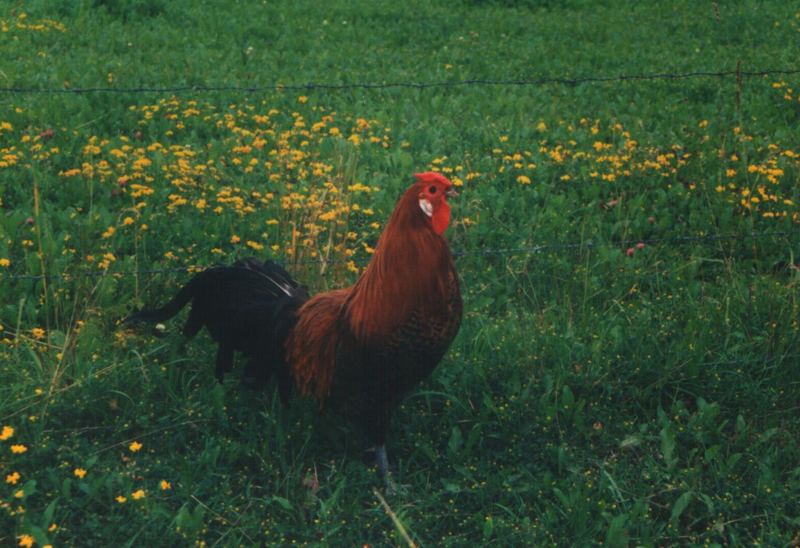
<point x="432" y="190"/>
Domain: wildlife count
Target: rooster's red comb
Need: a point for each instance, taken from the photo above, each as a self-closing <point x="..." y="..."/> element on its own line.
<point x="432" y="177"/>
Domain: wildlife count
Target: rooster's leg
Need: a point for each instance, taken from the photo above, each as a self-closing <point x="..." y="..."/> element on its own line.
<point x="383" y="467"/>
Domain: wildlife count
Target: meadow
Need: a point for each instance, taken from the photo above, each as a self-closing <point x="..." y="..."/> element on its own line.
<point x="628" y="368"/>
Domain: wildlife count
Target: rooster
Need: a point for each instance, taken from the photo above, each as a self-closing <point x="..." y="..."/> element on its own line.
<point x="357" y="350"/>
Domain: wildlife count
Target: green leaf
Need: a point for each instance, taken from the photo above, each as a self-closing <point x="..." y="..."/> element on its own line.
<point x="741" y="426"/>
<point x="679" y="506"/>
<point x="451" y="487"/>
<point x="282" y="502"/>
<point x="617" y="533"/>
<point x="668" y="447"/>
<point x="456" y="441"/>
<point x="39" y="534"/>
<point x="29" y="488"/>
<point x="567" y="397"/>
<point x="562" y="497"/>
<point x="631" y="440"/>
<point x="488" y="528"/>
<point x="190" y="521"/>
<point x="47" y="516"/>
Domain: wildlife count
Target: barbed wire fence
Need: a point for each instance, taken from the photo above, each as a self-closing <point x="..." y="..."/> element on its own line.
<point x="472" y="82"/>
<point x="529" y="250"/>
<point x="738" y="74"/>
<point x="524" y="250"/>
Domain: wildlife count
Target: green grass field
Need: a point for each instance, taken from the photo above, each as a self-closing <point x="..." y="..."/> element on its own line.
<point x="628" y="368"/>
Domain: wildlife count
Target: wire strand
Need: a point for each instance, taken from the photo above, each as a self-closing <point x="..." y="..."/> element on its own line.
<point x="482" y="82"/>
<point x="528" y="250"/>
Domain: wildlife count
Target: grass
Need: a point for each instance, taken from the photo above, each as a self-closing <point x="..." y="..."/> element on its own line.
<point x="599" y="392"/>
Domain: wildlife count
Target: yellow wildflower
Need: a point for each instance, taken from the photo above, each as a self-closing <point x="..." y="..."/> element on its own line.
<point x="108" y="258"/>
<point x="19" y="494"/>
<point x="524" y="180"/>
<point x="135" y="446"/>
<point x="136" y="495"/>
<point x="235" y="239"/>
<point x="13" y="478"/>
<point x="165" y="485"/>
<point x="254" y="245"/>
<point x="7" y="432"/>
<point x="26" y="541"/>
<point x="18" y="449"/>
<point x="79" y="472"/>
<point x="120" y="499"/>
<point x="5" y="262"/>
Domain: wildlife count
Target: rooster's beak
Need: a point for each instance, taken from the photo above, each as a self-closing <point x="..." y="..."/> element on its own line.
<point x="451" y="192"/>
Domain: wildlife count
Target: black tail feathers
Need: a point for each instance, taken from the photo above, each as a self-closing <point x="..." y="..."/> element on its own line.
<point x="248" y="307"/>
<point x="167" y="311"/>
<point x="251" y="283"/>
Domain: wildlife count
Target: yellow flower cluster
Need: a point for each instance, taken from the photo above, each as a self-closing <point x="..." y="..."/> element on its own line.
<point x="616" y="157"/>
<point x="261" y="160"/>
<point x="22" y="23"/>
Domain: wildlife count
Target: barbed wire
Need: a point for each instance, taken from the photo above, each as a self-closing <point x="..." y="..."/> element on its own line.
<point x="482" y="82"/>
<point x="623" y="243"/>
<point x="527" y="250"/>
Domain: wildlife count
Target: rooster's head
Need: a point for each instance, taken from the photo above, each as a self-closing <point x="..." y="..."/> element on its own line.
<point x="433" y="189"/>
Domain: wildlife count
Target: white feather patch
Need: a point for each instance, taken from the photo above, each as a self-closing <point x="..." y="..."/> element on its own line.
<point x="426" y="207"/>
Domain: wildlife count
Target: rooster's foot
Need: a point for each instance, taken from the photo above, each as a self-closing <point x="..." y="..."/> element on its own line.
<point x="382" y="460"/>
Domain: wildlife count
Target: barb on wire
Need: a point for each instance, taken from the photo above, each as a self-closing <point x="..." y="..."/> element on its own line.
<point x="484" y="82"/>
<point x="530" y="250"/>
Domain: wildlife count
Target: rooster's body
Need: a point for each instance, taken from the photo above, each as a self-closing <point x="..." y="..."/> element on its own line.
<point x="358" y="350"/>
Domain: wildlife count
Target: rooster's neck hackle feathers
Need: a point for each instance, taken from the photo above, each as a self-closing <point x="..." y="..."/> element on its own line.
<point x="410" y="273"/>
<point x="407" y="272"/>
